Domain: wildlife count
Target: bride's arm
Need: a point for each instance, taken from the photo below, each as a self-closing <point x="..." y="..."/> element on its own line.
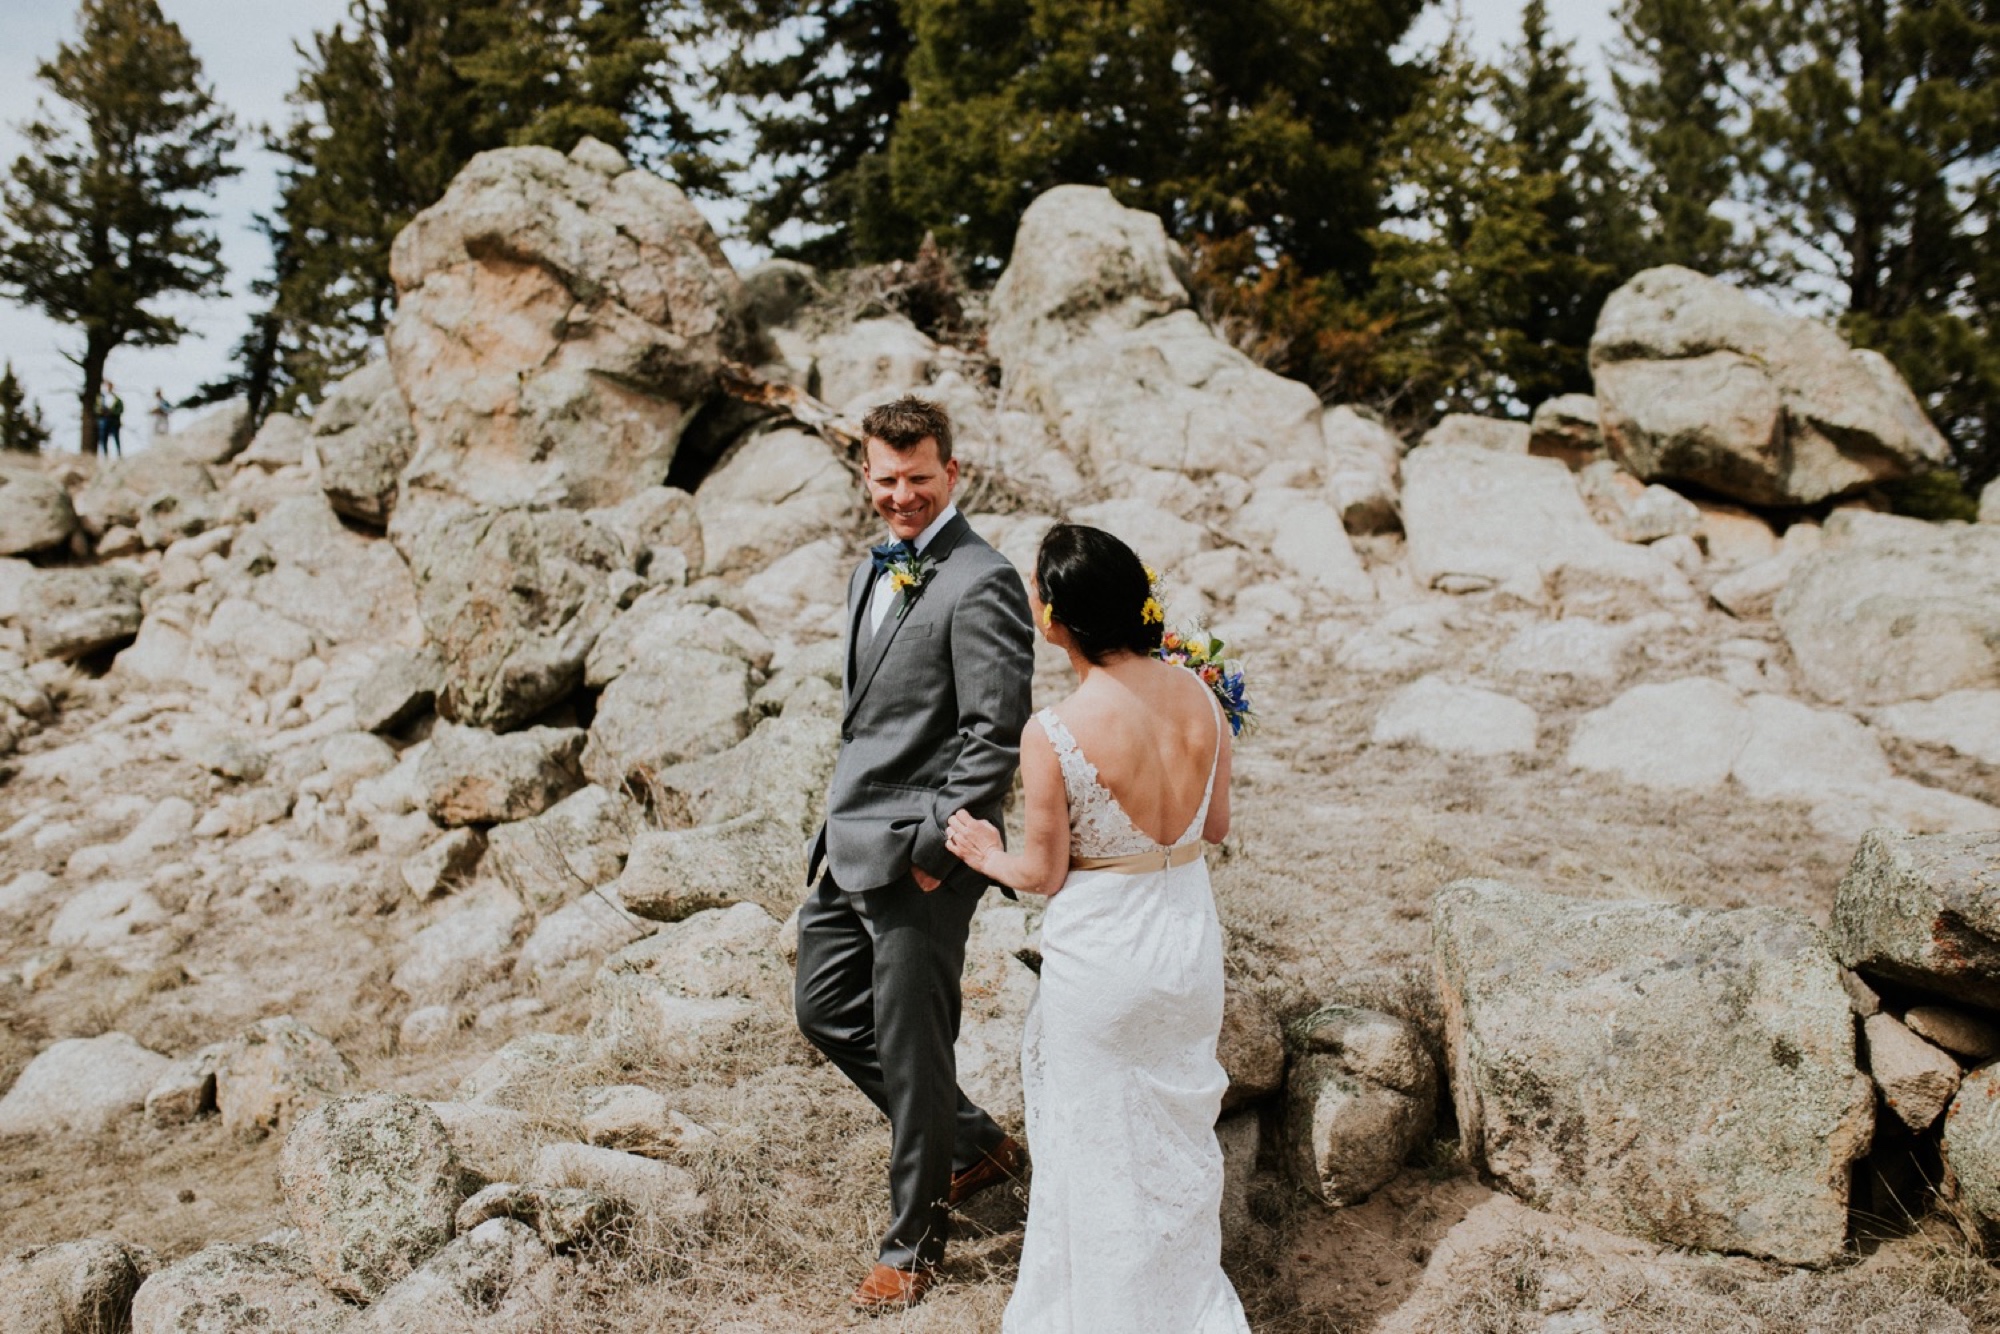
<point x="1042" y="864"/>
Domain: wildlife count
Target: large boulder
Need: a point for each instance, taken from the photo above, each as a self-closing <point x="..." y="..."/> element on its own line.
<point x="81" y="1086"/>
<point x="75" y="612"/>
<point x="781" y="772"/>
<point x="363" y="440"/>
<point x="675" y="873"/>
<point x="1361" y="1096"/>
<point x="1456" y="719"/>
<point x="73" y="1287"/>
<point x="1924" y="912"/>
<point x="1698" y="382"/>
<point x="513" y="601"/>
<point x="558" y="322"/>
<point x="1486" y="519"/>
<point x="237" y="1288"/>
<point x="472" y="776"/>
<point x="372" y="1185"/>
<point x="1893" y="609"/>
<point x="1092" y="321"/>
<point x="1683" y="1076"/>
<point x="35" y="513"/>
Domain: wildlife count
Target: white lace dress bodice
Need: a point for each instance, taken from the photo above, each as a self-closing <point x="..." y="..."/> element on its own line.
<point x="1098" y="825"/>
<point x="1118" y="1064"/>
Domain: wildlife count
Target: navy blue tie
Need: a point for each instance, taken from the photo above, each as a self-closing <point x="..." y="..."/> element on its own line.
<point x="890" y="552"/>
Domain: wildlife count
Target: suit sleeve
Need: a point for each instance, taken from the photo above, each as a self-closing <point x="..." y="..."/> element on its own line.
<point x="992" y="665"/>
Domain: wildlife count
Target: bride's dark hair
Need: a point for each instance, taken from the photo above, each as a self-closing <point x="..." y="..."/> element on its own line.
<point x="1097" y="587"/>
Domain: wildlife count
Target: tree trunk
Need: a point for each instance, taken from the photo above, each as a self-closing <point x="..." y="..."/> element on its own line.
<point x="94" y="357"/>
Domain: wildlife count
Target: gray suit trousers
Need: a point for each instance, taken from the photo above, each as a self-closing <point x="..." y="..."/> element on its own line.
<point x="878" y="990"/>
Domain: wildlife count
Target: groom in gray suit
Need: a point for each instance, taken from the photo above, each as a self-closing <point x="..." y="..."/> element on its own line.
<point x="939" y="657"/>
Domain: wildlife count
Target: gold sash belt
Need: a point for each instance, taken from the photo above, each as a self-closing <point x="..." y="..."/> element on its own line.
<point x="1139" y="863"/>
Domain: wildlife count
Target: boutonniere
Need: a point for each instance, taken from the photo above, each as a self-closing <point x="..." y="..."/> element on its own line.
<point x="908" y="571"/>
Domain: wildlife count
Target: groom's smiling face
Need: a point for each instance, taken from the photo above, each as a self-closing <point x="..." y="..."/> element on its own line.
<point x="909" y="488"/>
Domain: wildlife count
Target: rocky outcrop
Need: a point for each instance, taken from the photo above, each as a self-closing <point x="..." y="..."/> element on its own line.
<point x="1092" y="321"/>
<point x="558" y="322"/>
<point x="1683" y="1076"/>
<point x="1699" y="382"/>
<point x="1894" y="609"/>
<point x="770" y="493"/>
<point x="372" y="1185"/>
<point x="1480" y="519"/>
<point x="1924" y="912"/>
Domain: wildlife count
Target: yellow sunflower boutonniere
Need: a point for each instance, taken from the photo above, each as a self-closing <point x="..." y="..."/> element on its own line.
<point x="907" y="576"/>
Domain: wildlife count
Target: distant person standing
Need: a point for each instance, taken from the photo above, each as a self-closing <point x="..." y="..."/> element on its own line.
<point x="162" y="423"/>
<point x="110" y="421"/>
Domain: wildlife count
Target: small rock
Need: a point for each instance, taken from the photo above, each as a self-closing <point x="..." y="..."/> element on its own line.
<point x="71" y="613"/>
<point x="1860" y="994"/>
<point x="402" y="687"/>
<point x="635" y="1119"/>
<point x="1923" y="911"/>
<point x="1462" y="430"/>
<point x="659" y="1190"/>
<point x="1457" y="719"/>
<point x="497" y="1279"/>
<point x="1966" y="1035"/>
<point x="1362" y="1095"/>
<point x="674" y="874"/>
<point x="523" y="1072"/>
<point x="496" y="1143"/>
<point x="1566" y="428"/>
<point x="472" y="776"/>
<point x="186" y="1091"/>
<point x="35" y="513"/>
<point x="274" y="1073"/>
<point x="426" y="1026"/>
<point x="444" y="863"/>
<point x="577" y="844"/>
<point x="674" y="994"/>
<point x="1972" y="1155"/>
<point x="372" y="1185"/>
<point x="81" y="1086"/>
<point x="1916" y="1079"/>
<point x="564" y="1217"/>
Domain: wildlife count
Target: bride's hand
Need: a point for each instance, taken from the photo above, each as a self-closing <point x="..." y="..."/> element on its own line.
<point x="971" y="840"/>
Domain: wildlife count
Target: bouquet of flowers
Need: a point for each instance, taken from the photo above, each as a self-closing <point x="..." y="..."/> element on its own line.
<point x="1201" y="653"/>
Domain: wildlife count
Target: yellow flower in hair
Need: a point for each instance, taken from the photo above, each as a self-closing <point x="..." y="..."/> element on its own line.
<point x="1152" y="575"/>
<point x="1048" y="615"/>
<point x="1151" y="613"/>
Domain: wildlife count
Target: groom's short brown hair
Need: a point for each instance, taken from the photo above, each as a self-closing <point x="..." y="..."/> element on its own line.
<point x="907" y="423"/>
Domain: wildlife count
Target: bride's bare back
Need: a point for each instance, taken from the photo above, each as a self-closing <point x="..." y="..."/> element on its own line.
<point x="1151" y="731"/>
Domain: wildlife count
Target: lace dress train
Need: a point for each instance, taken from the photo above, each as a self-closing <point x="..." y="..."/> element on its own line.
<point x="1124" y="1231"/>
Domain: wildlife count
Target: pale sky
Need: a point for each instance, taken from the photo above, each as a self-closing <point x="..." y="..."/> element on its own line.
<point x="247" y="50"/>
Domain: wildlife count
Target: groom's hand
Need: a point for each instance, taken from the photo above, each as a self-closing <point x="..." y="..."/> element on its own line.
<point x="925" y="880"/>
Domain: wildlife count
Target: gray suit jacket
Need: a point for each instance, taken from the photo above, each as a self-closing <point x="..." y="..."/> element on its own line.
<point x="935" y="704"/>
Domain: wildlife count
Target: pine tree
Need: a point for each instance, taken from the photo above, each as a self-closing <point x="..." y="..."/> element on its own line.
<point x="1895" y="209"/>
<point x="1459" y="267"/>
<point x="1260" y="117"/>
<point x="101" y="213"/>
<point x="820" y="115"/>
<point x="1547" y="113"/>
<point x="22" y="429"/>
<point x="1680" y="61"/>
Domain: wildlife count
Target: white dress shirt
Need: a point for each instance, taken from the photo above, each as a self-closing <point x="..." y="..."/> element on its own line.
<point x="883" y="595"/>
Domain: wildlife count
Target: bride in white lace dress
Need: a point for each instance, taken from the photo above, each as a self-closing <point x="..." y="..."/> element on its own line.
<point x="1124" y="782"/>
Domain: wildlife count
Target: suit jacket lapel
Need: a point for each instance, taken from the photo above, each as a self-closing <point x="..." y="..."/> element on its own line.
<point x="857" y="599"/>
<point x="940" y="548"/>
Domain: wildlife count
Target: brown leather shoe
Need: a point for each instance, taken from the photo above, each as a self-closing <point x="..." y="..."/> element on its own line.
<point x="886" y="1290"/>
<point x="1001" y="1163"/>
